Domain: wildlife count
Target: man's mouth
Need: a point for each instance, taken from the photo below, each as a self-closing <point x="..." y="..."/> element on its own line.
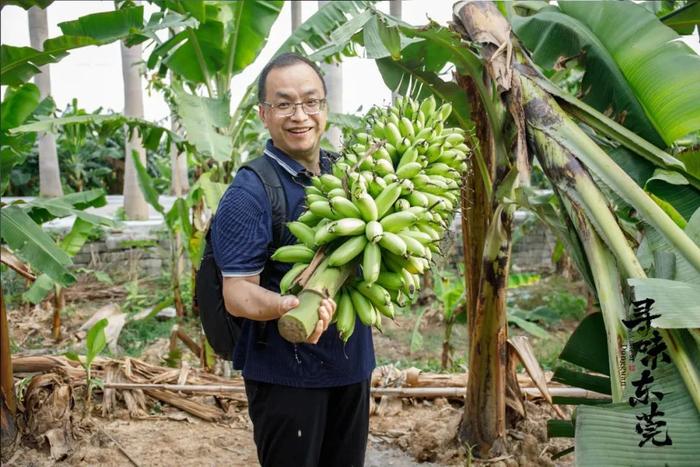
<point x="299" y="131"/>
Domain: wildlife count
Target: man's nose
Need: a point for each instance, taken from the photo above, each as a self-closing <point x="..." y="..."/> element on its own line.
<point x="299" y="113"/>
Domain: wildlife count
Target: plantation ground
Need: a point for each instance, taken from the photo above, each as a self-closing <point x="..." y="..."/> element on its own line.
<point x="403" y="432"/>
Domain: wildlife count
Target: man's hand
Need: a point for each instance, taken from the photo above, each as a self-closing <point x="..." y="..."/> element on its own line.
<point x="325" y="314"/>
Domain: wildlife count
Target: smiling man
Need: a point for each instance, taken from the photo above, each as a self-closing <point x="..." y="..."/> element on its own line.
<point x="309" y="403"/>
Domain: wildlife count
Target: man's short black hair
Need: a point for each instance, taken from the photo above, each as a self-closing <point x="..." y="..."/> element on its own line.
<point x="285" y="60"/>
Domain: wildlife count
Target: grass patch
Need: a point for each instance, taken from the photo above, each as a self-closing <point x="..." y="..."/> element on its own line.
<point x="137" y="335"/>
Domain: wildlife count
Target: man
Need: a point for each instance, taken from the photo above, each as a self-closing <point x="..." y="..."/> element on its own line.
<point x="309" y="403"/>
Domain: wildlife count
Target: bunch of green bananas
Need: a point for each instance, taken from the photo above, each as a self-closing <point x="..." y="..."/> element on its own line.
<point x="386" y="207"/>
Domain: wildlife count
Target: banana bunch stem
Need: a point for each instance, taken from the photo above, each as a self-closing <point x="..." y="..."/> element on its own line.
<point x="297" y="325"/>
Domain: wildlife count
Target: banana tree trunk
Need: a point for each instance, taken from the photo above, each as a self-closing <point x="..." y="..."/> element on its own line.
<point x="333" y="73"/>
<point x="8" y="424"/>
<point x="49" y="172"/>
<point x="296" y="14"/>
<point x="135" y="206"/>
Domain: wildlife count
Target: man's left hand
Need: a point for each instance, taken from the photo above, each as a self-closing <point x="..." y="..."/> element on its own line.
<point x="325" y="314"/>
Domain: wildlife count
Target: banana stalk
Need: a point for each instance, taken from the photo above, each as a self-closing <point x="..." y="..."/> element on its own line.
<point x="297" y="325"/>
<point x="546" y="121"/>
<point x="554" y="122"/>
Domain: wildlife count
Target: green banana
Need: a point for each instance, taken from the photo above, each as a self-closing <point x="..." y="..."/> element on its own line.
<point x="398" y="221"/>
<point x="410" y="155"/>
<point x="401" y="204"/>
<point x="416" y="198"/>
<point x="376" y="294"/>
<point x="343" y="207"/>
<point x="409" y="170"/>
<point x="347" y="251"/>
<point x="293" y="254"/>
<point x="348" y="226"/>
<point x="372" y="262"/>
<point x="337" y="192"/>
<point x="363" y="307"/>
<point x="345" y="316"/>
<point x="290" y="276"/>
<point x="303" y="233"/>
<point x="330" y="181"/>
<point x="322" y="209"/>
<point x="374" y="231"/>
<point x="393" y="135"/>
<point x="406" y="128"/>
<point x="393" y="243"/>
<point x="309" y="218"/>
<point x="409" y="283"/>
<point x="324" y="235"/>
<point x="390" y="280"/>
<point x="368" y="208"/>
<point x="387" y="198"/>
<point x="413" y="246"/>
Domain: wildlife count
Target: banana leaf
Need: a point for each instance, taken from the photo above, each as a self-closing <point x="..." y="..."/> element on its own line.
<point x="684" y="19"/>
<point x="609" y="435"/>
<point x="677" y="302"/>
<point x="28" y="241"/>
<point x="204" y="119"/>
<point x="634" y="65"/>
<point x="19" y="64"/>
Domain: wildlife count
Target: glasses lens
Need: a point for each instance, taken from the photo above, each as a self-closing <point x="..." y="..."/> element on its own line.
<point x="312" y="106"/>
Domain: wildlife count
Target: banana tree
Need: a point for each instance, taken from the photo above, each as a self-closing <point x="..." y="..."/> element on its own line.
<point x="599" y="210"/>
<point x="27" y="246"/>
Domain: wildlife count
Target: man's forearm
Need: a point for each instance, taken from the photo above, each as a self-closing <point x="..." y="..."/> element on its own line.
<point x="248" y="300"/>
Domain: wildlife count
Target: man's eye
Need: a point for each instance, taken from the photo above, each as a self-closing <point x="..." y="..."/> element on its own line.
<point x="283" y="105"/>
<point x="312" y="102"/>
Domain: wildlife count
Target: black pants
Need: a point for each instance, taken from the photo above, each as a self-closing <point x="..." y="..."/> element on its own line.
<point x="298" y="427"/>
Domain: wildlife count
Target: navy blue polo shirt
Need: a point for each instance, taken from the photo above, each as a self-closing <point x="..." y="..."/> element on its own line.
<point x="241" y="239"/>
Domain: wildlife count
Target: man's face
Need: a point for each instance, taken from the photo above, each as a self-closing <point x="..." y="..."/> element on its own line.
<point x="298" y="135"/>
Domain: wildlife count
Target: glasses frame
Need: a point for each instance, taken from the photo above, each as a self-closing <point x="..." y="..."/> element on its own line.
<point x="322" y="106"/>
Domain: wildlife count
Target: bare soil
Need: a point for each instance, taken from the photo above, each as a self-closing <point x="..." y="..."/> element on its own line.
<point x="403" y="432"/>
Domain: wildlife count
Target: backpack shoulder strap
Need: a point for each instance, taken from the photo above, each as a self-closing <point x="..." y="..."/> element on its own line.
<point x="263" y="168"/>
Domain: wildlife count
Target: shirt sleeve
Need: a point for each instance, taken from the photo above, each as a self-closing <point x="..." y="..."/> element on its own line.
<point x="242" y="228"/>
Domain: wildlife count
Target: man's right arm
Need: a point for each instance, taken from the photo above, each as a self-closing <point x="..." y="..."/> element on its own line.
<point x="245" y="298"/>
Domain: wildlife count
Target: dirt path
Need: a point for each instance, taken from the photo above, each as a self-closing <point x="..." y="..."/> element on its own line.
<point x="402" y="433"/>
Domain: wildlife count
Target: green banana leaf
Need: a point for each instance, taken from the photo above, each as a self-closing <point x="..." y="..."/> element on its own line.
<point x="677" y="302"/>
<point x="227" y="39"/>
<point x="607" y="435"/>
<point x="212" y="191"/>
<point x="107" y="26"/>
<point x="653" y="246"/>
<point x="29" y="242"/>
<point x="18" y="105"/>
<point x="204" y="119"/>
<point x="19" y="64"/>
<point x="634" y="64"/>
<point x="71" y="244"/>
<point x="685" y="19"/>
<point x="248" y="31"/>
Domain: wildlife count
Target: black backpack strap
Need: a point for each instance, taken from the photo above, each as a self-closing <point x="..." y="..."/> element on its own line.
<point x="263" y="167"/>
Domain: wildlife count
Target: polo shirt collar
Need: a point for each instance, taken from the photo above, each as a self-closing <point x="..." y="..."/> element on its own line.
<point x="293" y="167"/>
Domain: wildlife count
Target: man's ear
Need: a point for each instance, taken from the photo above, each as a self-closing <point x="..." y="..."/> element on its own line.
<point x="262" y="114"/>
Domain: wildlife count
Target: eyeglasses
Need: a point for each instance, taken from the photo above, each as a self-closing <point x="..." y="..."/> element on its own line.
<point x="287" y="109"/>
